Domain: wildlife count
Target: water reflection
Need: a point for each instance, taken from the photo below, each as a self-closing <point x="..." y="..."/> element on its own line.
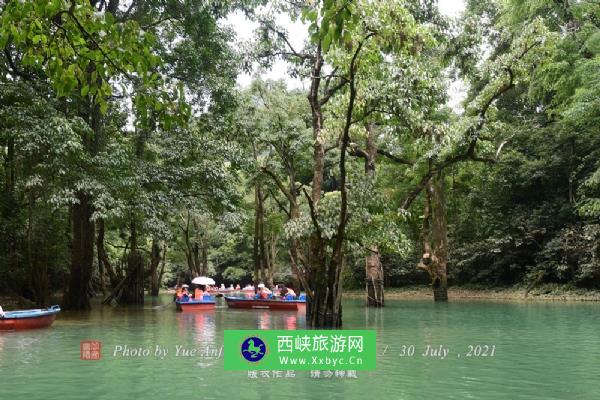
<point x="201" y="324"/>
<point x="290" y="321"/>
<point x="1" y="350"/>
<point x="280" y="320"/>
<point x="556" y="346"/>
<point x="264" y="320"/>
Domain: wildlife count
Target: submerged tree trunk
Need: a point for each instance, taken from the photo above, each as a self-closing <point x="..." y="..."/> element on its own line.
<point x="133" y="291"/>
<point x="439" y="241"/>
<point x="325" y="307"/>
<point x="258" y="249"/>
<point x="373" y="265"/>
<point x="374" y="278"/>
<point x="321" y="309"/>
<point x="435" y="238"/>
<point x="84" y="232"/>
<point x="38" y="269"/>
<point x="82" y="257"/>
<point x="259" y="256"/>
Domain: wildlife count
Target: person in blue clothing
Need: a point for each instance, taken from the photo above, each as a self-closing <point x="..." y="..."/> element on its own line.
<point x="286" y="293"/>
<point x="185" y="296"/>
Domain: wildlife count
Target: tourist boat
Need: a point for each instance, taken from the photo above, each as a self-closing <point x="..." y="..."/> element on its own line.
<point x="195" y="305"/>
<point x="272" y="304"/>
<point x="28" y="319"/>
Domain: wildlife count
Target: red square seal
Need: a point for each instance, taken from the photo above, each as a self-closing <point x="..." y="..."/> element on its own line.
<point x="90" y="349"/>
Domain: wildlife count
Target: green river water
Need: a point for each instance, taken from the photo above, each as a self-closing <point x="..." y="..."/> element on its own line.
<point x="542" y="351"/>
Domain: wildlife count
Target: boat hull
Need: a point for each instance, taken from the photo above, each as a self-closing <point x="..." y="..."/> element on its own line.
<point x="194" y="306"/>
<point x="289" y="305"/>
<point x="28" y="319"/>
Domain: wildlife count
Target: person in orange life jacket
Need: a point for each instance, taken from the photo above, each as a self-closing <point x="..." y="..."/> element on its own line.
<point x="178" y="292"/>
<point x="263" y="291"/>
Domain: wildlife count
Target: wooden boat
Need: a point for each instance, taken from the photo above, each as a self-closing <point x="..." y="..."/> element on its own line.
<point x="195" y="305"/>
<point x="272" y="304"/>
<point x="28" y="319"/>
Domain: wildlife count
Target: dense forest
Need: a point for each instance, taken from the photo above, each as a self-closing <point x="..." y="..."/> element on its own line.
<point x="131" y="160"/>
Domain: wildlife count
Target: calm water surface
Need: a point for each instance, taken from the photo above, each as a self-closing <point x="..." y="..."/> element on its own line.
<point x="542" y="351"/>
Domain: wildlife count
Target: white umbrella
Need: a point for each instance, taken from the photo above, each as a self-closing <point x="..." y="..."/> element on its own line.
<point x="203" y="280"/>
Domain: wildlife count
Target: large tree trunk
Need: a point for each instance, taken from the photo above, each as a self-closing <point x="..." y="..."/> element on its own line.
<point x="439" y="240"/>
<point x="82" y="257"/>
<point x="259" y="255"/>
<point x="104" y="264"/>
<point x="321" y="310"/>
<point x="373" y="265"/>
<point x="258" y="249"/>
<point x="271" y="257"/>
<point x="294" y="252"/>
<point x="163" y="264"/>
<point x="319" y="306"/>
<point x="10" y="210"/>
<point x="191" y="249"/>
<point x="198" y="248"/>
<point x="264" y="263"/>
<point x="133" y="292"/>
<point x="99" y="248"/>
<point x="374" y="278"/>
<point x="38" y="269"/>
<point x="196" y="258"/>
<point x="154" y="272"/>
<point x="204" y="253"/>
<point x="435" y="238"/>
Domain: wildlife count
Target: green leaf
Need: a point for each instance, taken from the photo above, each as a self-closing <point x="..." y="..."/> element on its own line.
<point x="326" y="42"/>
<point x="103" y="107"/>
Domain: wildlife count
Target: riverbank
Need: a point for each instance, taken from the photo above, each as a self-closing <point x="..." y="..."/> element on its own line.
<point x="13" y="302"/>
<point x="517" y="293"/>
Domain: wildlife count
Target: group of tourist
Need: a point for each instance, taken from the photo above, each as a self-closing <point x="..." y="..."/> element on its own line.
<point x="280" y="291"/>
<point x="200" y="292"/>
<point x="183" y="293"/>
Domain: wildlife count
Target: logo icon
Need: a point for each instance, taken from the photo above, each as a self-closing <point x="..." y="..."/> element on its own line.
<point x="253" y="349"/>
<point x="90" y="350"/>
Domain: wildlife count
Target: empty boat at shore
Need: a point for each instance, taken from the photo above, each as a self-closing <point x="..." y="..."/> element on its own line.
<point x="28" y="319"/>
